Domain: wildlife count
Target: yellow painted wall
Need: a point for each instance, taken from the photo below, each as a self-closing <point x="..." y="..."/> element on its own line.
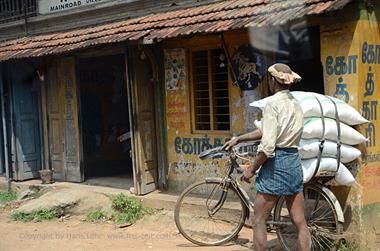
<point x="350" y="54"/>
<point x="184" y="144"/>
<point x="359" y="83"/>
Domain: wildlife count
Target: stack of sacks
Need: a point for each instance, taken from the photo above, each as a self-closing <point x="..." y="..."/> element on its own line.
<point x="313" y="130"/>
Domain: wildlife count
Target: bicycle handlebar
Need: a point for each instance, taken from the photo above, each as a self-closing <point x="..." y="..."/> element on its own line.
<point x="220" y="151"/>
<point x="213" y="152"/>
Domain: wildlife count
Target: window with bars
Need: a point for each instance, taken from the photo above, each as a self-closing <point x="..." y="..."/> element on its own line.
<point x="13" y="10"/>
<point x="210" y="90"/>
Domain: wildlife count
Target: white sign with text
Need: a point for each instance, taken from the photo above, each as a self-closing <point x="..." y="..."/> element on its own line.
<point x="53" y="6"/>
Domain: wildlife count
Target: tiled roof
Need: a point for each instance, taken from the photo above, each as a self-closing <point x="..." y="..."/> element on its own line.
<point x="210" y="18"/>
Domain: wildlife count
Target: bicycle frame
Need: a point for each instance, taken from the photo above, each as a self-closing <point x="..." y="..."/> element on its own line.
<point x="228" y="180"/>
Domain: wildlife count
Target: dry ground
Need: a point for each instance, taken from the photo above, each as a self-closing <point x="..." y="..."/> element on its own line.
<point x="156" y="232"/>
<point x="153" y="232"/>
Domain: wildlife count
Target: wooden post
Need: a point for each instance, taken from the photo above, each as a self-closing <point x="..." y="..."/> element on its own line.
<point x="3" y="121"/>
<point x="45" y="131"/>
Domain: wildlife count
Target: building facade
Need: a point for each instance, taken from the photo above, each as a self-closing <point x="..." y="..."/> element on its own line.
<point x="174" y="78"/>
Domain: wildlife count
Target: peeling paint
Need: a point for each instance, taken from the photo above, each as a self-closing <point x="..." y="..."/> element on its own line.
<point x="233" y="120"/>
<point x="187" y="169"/>
<point x="250" y="113"/>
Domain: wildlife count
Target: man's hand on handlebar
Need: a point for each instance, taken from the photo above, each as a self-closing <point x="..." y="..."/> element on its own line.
<point x="252" y="169"/>
<point x="229" y="144"/>
<point x="248" y="174"/>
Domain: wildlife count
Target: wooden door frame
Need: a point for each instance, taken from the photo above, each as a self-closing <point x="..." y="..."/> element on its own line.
<point x="11" y="158"/>
<point x="4" y="126"/>
<point x="45" y="121"/>
<point x="40" y="114"/>
<point x="134" y="120"/>
<point x="82" y="164"/>
<point x="132" y="116"/>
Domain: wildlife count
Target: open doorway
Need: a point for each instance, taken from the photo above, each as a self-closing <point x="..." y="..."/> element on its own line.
<point x="105" y="122"/>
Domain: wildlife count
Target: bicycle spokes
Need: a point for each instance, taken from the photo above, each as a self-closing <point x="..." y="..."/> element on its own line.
<point x="213" y="209"/>
<point x="321" y="217"/>
<point x="207" y="214"/>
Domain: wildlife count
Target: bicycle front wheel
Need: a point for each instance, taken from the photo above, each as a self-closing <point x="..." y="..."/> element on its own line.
<point x="321" y="218"/>
<point x="208" y="215"/>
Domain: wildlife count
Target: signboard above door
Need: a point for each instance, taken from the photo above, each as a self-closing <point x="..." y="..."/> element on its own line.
<point x="54" y="6"/>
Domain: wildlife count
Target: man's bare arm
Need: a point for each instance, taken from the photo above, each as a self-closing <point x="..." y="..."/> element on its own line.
<point x="254" y="135"/>
<point x="252" y="169"/>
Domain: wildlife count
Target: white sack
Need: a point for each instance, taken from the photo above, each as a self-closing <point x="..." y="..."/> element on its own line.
<point x="313" y="128"/>
<point x="261" y="103"/>
<point x="309" y="148"/>
<point x="310" y="107"/>
<point x="343" y="177"/>
<point x="257" y="123"/>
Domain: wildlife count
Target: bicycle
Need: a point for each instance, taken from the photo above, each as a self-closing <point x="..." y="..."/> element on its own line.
<point x="221" y="207"/>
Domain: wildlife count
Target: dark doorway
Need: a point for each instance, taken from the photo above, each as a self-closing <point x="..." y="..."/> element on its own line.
<point x="105" y="119"/>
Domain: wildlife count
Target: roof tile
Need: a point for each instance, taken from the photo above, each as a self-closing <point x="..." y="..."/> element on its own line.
<point x="215" y="17"/>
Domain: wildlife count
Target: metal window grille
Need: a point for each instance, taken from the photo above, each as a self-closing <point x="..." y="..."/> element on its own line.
<point x="210" y="87"/>
<point x="220" y="91"/>
<point x="201" y="90"/>
<point x="13" y="10"/>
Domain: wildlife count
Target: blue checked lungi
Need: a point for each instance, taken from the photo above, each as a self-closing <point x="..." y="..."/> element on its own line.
<point x="281" y="175"/>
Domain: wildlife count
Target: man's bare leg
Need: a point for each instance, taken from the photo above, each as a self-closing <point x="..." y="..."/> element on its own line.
<point x="296" y="207"/>
<point x="264" y="204"/>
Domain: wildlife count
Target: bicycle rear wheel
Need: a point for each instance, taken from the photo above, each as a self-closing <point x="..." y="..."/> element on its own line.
<point x="321" y="218"/>
<point x="198" y="220"/>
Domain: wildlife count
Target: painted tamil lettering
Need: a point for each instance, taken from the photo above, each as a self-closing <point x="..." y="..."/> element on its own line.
<point x="196" y="145"/>
<point x="341" y="91"/>
<point x="341" y="65"/>
<point x="370" y="55"/>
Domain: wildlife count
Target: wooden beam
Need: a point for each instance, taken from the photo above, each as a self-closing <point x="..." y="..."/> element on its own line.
<point x="45" y="132"/>
<point x="5" y="138"/>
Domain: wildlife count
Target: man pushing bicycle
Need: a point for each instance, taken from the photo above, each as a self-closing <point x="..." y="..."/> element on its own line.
<point x="281" y="171"/>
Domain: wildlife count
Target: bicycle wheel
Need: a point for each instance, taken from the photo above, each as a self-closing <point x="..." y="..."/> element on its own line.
<point x="321" y="218"/>
<point x="196" y="221"/>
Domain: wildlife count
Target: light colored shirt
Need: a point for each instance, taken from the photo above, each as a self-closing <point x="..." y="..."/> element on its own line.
<point x="282" y="123"/>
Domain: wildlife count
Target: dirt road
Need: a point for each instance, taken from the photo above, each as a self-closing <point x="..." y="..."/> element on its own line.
<point x="157" y="232"/>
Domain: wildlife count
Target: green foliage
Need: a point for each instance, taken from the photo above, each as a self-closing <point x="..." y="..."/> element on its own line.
<point x="149" y="211"/>
<point x="348" y="246"/>
<point x="40" y="215"/>
<point x="123" y="203"/>
<point x="97" y="215"/>
<point x="121" y="218"/>
<point x="128" y="210"/>
<point x="7" y="196"/>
